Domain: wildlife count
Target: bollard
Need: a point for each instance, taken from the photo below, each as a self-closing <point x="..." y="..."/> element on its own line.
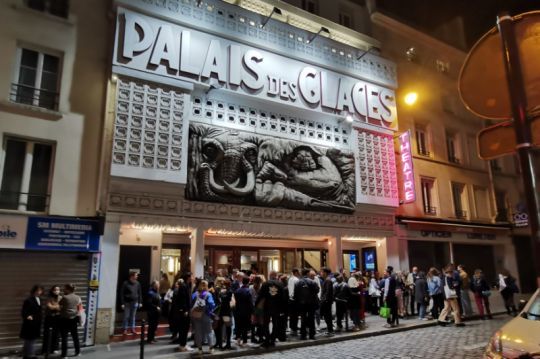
<point x="141" y="353"/>
<point x="49" y="342"/>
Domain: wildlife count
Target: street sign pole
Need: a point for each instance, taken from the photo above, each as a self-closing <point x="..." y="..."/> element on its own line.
<point x="522" y="126"/>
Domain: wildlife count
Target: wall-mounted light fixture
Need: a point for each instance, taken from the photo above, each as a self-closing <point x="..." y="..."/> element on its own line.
<point x="322" y="29"/>
<point x="411" y="54"/>
<point x="275" y="10"/>
<point x="349" y="118"/>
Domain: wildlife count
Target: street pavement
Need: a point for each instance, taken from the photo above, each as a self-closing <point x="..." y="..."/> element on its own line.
<point x="432" y="342"/>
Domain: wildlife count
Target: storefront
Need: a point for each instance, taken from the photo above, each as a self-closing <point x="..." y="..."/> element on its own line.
<point x="56" y="251"/>
<point x="427" y="244"/>
<point x="237" y="145"/>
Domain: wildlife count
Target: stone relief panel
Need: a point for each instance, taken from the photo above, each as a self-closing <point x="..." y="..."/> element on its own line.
<point x="149" y="132"/>
<point x="230" y="166"/>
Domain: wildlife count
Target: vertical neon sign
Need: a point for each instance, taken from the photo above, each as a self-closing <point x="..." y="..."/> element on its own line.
<point x="409" y="193"/>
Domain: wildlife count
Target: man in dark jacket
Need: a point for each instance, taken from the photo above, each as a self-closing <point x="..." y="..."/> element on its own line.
<point x="390" y="297"/>
<point x="305" y="296"/>
<point x="342" y="294"/>
<point x="327" y="298"/>
<point x="31" y="316"/>
<point x="242" y="314"/>
<point x="153" y="310"/>
<point x="131" y="299"/>
<point x="271" y="293"/>
<point x="181" y="305"/>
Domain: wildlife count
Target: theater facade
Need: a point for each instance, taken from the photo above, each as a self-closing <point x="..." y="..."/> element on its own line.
<point x="237" y="141"/>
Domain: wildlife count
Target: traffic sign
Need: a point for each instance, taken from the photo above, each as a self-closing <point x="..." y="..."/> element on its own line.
<point x="482" y="82"/>
<point x="500" y="139"/>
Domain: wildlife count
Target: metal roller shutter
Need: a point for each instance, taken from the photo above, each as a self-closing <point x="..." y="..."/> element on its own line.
<point x="20" y="270"/>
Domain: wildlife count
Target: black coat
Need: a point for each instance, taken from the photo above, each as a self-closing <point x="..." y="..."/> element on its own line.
<point x="272" y="294"/>
<point x="244" y="303"/>
<point x="421" y="290"/>
<point x="181" y="303"/>
<point x="31" y="328"/>
<point x="225" y="296"/>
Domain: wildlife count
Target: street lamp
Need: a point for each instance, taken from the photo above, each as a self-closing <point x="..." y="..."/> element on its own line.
<point x="410" y="98"/>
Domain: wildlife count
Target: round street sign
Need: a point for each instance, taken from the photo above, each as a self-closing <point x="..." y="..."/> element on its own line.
<point x="482" y="81"/>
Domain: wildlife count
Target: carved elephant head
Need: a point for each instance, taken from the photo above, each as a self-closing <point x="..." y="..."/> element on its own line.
<point x="230" y="160"/>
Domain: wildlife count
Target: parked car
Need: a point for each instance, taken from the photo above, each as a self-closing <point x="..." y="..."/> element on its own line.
<point x="520" y="337"/>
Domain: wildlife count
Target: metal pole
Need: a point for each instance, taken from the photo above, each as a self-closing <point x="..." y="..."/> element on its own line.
<point x="522" y="127"/>
<point x="141" y="352"/>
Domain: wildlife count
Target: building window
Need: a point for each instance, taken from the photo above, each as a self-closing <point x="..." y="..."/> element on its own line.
<point x="428" y="188"/>
<point x="310" y="6"/>
<point x="422" y="141"/>
<point x="458" y="196"/>
<point x="26" y="175"/>
<point x="502" y="207"/>
<point x="54" y="7"/>
<point x="345" y="19"/>
<point x="452" y="145"/>
<point x="36" y="80"/>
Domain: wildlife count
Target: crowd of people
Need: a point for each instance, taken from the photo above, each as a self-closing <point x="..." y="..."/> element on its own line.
<point x="61" y="314"/>
<point x="221" y="308"/>
<point x="224" y="308"/>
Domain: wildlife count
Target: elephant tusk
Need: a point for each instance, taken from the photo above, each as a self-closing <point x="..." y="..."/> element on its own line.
<point x="212" y="182"/>
<point x="247" y="189"/>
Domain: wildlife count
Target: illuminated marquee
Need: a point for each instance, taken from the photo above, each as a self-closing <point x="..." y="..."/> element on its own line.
<point x="408" y="188"/>
<point x="147" y="44"/>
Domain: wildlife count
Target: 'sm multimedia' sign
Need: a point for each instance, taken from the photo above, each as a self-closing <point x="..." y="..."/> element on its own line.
<point x="151" y="45"/>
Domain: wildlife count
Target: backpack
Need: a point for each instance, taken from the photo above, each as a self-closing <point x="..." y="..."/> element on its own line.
<point x="199" y="307"/>
<point x="304" y="292"/>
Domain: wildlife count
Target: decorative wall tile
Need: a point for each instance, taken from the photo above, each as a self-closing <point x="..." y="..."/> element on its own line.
<point x="149" y="132"/>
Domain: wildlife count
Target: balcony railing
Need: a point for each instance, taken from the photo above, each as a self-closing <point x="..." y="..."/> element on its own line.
<point x="461" y="214"/>
<point x="430" y="210"/>
<point x="424" y="152"/>
<point x="454" y="159"/>
<point x="24" y="201"/>
<point x="33" y="96"/>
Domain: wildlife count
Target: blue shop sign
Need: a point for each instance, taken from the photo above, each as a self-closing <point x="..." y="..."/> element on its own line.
<point x="62" y="234"/>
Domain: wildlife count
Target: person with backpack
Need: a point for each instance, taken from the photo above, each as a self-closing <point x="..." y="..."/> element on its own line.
<point x="271" y="296"/>
<point x="306" y="293"/>
<point x="341" y="297"/>
<point x="242" y="312"/>
<point x="201" y="316"/>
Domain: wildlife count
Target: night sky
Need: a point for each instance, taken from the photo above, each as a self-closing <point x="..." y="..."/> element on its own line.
<point x="478" y="15"/>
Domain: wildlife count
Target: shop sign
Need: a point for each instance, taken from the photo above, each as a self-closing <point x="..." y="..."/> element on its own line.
<point x="154" y="46"/>
<point x="436" y="234"/>
<point x="488" y="236"/>
<point x="62" y="234"/>
<point x="12" y="231"/>
<point x="407" y="172"/>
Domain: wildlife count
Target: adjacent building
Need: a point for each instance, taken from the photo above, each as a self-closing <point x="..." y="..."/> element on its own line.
<point x="52" y="93"/>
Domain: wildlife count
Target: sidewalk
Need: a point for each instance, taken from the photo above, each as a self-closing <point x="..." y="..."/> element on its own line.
<point x="374" y="327"/>
<point x="161" y="350"/>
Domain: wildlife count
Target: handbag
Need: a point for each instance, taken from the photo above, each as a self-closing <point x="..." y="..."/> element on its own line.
<point x="81" y="314"/>
<point x="384" y="312"/>
<point x="449" y="292"/>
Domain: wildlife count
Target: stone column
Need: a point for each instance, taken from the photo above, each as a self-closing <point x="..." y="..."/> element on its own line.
<point x="108" y="277"/>
<point x="335" y="254"/>
<point x="197" y="252"/>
